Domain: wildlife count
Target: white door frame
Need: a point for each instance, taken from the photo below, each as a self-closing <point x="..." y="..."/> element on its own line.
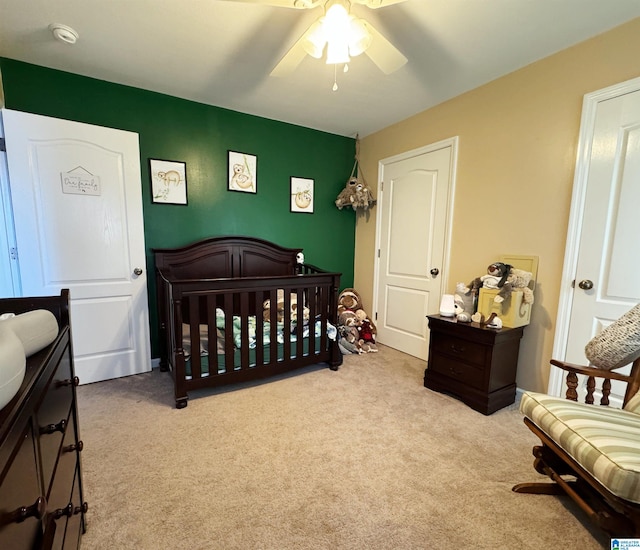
<point x="9" y="270"/>
<point x="576" y="218"/>
<point x="450" y="142"/>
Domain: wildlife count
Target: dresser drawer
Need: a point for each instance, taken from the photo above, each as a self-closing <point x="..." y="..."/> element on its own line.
<point x="470" y="352"/>
<point x="20" y="487"/>
<point x="461" y="372"/>
<point x="75" y="524"/>
<point x="52" y="417"/>
<point x="60" y="493"/>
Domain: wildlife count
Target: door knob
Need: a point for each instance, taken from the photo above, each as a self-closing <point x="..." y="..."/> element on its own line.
<point x="586" y="284"/>
<point x="137" y="271"/>
<point x="434" y="272"/>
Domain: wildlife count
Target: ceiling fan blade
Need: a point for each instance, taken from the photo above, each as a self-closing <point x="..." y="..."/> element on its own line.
<point x="383" y="53"/>
<point x="296" y="54"/>
<point x="297" y="4"/>
<point x="375" y="4"/>
<point x="290" y="61"/>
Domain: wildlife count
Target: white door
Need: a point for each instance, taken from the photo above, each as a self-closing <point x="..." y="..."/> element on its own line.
<point x="412" y="234"/>
<point x="602" y="268"/>
<point x="77" y="209"/>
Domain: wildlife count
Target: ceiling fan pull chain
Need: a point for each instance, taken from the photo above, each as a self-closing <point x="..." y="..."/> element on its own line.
<point x="335" y="79"/>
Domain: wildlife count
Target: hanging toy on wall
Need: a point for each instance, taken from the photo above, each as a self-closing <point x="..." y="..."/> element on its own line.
<point x="356" y="193"/>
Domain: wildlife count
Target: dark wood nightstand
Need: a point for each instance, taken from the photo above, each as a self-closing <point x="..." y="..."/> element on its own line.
<point x="474" y="363"/>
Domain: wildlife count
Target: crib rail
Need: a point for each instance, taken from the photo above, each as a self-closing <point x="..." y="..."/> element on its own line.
<point x="228" y="315"/>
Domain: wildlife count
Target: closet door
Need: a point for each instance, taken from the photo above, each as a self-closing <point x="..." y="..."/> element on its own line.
<point x="601" y="280"/>
<point x="77" y="206"/>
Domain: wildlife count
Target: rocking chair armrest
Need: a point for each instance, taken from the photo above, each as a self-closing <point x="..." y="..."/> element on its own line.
<point x="589" y="371"/>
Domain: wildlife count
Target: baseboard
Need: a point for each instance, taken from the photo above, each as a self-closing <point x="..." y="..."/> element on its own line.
<point x="519" y="393"/>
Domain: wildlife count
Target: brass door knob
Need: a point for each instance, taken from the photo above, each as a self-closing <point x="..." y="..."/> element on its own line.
<point x="586" y="284"/>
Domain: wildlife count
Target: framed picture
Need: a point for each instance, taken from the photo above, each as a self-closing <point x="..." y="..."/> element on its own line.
<point x="168" y="181"/>
<point x="301" y="195"/>
<point x="242" y="172"/>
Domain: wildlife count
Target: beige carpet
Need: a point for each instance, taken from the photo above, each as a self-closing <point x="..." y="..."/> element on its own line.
<point x="361" y="458"/>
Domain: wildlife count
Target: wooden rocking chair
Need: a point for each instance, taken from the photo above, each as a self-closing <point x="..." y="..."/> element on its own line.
<point x="610" y="496"/>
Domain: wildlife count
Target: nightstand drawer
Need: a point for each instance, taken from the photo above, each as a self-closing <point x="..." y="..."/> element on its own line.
<point x="457" y="370"/>
<point x="470" y="352"/>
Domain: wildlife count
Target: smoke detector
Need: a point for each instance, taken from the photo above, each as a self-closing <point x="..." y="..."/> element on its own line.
<point x="63" y="33"/>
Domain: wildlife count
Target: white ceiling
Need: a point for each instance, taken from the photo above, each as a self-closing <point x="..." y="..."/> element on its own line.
<point x="221" y="52"/>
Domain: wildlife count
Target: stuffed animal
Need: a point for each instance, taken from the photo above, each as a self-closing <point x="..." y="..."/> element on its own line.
<point x="464" y="301"/>
<point x="462" y="316"/>
<point x="349" y="299"/>
<point x="506" y="278"/>
<point x="347" y="318"/>
<point x="348" y="340"/>
<point x="266" y="308"/>
<point x="493" y="321"/>
<point x="495" y="277"/>
<point x="367" y="327"/>
<point x="518" y="279"/>
<point x="367" y="347"/>
<point x="355" y="194"/>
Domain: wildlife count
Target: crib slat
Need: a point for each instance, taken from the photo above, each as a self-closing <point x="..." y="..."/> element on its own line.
<point x="212" y="328"/>
<point x="287" y="324"/>
<point x="259" y="298"/>
<point x="273" y="332"/>
<point x="244" y="332"/>
<point x="228" y="332"/>
<point x="194" y="332"/>
<point x="300" y="323"/>
<point x="311" y="304"/>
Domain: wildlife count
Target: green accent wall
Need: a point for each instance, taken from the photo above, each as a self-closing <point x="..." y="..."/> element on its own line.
<point x="200" y="135"/>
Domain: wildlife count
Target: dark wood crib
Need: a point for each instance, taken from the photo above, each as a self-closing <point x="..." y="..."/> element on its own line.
<point x="216" y="320"/>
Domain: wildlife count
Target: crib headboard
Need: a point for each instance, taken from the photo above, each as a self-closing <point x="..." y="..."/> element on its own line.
<point x="226" y="257"/>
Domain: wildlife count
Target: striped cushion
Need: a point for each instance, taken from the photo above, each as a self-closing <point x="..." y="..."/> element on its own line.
<point x="633" y="405"/>
<point x="603" y="440"/>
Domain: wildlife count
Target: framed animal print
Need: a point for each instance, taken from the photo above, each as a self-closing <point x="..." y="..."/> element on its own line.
<point x="302" y="195"/>
<point x="168" y="181"/>
<point x="242" y="172"/>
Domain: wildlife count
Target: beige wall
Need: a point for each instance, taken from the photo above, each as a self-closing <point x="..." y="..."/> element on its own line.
<point x="518" y="137"/>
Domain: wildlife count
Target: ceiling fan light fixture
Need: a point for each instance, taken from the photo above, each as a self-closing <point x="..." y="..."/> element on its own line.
<point x="337" y="52"/>
<point x="359" y="37"/>
<point x="336" y="27"/>
<point x="315" y="39"/>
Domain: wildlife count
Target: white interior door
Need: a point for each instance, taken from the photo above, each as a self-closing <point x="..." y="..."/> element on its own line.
<point x="413" y="229"/>
<point x="602" y="269"/>
<point x="77" y="208"/>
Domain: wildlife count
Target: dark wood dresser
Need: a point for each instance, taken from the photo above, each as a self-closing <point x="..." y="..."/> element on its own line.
<point x="41" y="497"/>
<point x="476" y="364"/>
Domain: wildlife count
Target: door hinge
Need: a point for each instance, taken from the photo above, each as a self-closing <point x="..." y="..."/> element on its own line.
<point x="376" y="317"/>
<point x="3" y="145"/>
<point x="378" y="252"/>
<point x="13" y="253"/>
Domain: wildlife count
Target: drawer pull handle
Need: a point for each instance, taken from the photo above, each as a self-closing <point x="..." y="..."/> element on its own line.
<point x="74" y="447"/>
<point x="82" y="509"/>
<point x="52" y="428"/>
<point x="66" y="511"/>
<point x="454" y="371"/>
<point x="75" y="381"/>
<point x="457" y="349"/>
<point x="36" y="510"/>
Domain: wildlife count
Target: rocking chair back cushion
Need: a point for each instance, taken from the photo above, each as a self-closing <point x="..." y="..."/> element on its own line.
<point x="618" y="344"/>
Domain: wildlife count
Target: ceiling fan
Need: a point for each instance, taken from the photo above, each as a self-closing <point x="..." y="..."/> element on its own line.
<point x="342" y="34"/>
